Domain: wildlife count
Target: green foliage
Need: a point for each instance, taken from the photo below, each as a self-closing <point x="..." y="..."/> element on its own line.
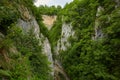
<point x="21" y="57"/>
<point x="8" y="15"/>
<point x="56" y="27"/>
<point x="86" y="59"/>
<point x="37" y="14"/>
<point x="53" y="35"/>
<point x="89" y="59"/>
<point x="43" y="29"/>
<point x="4" y="73"/>
<point x="33" y="62"/>
<point x="9" y="12"/>
<point x="28" y="61"/>
<point x="45" y="10"/>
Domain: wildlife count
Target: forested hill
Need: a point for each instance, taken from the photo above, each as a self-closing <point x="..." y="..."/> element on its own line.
<point x="81" y="42"/>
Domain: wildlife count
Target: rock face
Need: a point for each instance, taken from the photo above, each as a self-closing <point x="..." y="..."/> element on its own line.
<point x="49" y="20"/>
<point x="63" y="43"/>
<point x="97" y="28"/>
<point x="46" y="49"/>
<point x="30" y="23"/>
<point x="25" y="14"/>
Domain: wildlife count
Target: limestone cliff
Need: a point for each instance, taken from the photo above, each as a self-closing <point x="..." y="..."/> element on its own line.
<point x="62" y="45"/>
<point x="29" y="23"/>
<point x="10" y="50"/>
<point x="66" y="33"/>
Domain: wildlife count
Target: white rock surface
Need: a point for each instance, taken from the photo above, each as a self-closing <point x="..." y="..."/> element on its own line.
<point x="32" y="25"/>
<point x="63" y="42"/>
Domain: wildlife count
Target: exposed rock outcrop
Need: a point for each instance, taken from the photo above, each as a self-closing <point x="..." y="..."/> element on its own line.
<point x="63" y="43"/>
<point x="47" y="50"/>
<point x="97" y="28"/>
<point x="49" y="20"/>
<point x="25" y="14"/>
<point x="30" y="23"/>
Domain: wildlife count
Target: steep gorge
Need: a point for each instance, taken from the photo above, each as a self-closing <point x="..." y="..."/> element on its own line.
<point x="66" y="33"/>
<point x="80" y="42"/>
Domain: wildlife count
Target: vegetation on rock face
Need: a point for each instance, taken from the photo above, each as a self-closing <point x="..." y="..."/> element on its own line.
<point x="34" y="62"/>
<point x="26" y="60"/>
<point x="21" y="57"/>
<point x="55" y="32"/>
<point x="89" y="59"/>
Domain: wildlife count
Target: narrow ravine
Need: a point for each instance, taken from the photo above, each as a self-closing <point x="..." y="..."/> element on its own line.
<point x="79" y="41"/>
<point x="66" y="32"/>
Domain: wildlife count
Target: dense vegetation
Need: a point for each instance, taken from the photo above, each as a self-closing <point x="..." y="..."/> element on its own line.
<point x="52" y="10"/>
<point x="87" y="58"/>
<point x="21" y="57"/>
